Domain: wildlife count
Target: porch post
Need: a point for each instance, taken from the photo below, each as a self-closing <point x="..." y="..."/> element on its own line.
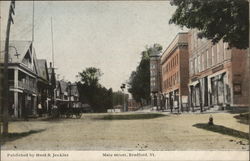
<point x="15" y="103"/>
<point x="35" y="105"/>
<point x="16" y="93"/>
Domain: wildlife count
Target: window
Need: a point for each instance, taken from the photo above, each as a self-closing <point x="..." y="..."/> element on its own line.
<point x="213" y="57"/>
<point x="178" y="78"/>
<point x="202" y="61"/>
<point x="191" y="67"/>
<point x="198" y="64"/>
<point x="225" y="51"/>
<point x="195" y="66"/>
<point x="218" y="52"/>
<point x="177" y="58"/>
<point x="205" y="60"/>
<point x="174" y="79"/>
<point x="208" y="59"/>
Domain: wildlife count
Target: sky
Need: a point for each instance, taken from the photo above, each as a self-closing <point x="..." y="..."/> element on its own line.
<point x="109" y="35"/>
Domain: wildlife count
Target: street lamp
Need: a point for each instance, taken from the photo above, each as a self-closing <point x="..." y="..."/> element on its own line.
<point x="123" y="86"/>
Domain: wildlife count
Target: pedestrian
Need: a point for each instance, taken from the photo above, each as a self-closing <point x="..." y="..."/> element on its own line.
<point x="40" y="110"/>
<point x="12" y="109"/>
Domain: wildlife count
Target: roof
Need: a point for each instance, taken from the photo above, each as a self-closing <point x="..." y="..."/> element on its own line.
<point x="180" y="39"/>
<point x="17" y="50"/>
<point x="64" y="86"/>
<point x="42" y="68"/>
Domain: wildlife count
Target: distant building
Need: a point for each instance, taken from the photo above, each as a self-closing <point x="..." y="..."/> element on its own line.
<point x="217" y="74"/>
<point x="74" y="96"/>
<point x="52" y="87"/>
<point x="155" y="78"/>
<point x="43" y="85"/>
<point x="67" y="94"/>
<point x="174" y="66"/>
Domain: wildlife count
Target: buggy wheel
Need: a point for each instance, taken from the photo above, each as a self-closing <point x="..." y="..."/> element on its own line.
<point x="69" y="115"/>
<point x="55" y="113"/>
<point x="78" y="115"/>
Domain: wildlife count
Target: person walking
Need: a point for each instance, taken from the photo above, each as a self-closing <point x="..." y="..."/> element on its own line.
<point x="40" y="110"/>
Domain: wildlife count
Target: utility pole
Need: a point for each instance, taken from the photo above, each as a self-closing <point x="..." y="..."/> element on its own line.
<point x="5" y="70"/>
<point x="52" y="42"/>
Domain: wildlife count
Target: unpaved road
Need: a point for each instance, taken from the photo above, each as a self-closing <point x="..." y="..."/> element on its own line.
<point x="171" y="132"/>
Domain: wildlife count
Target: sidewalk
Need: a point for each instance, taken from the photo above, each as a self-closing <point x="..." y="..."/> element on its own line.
<point x="197" y="110"/>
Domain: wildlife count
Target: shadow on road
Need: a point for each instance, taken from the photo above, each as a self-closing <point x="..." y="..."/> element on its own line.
<point x="14" y="136"/>
<point x="131" y="116"/>
<point x="223" y="130"/>
<point x="243" y="118"/>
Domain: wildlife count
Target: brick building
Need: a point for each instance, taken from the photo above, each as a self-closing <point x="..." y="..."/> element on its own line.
<point x="217" y="74"/>
<point x="174" y="66"/>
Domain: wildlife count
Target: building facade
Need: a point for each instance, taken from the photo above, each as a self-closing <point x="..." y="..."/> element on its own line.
<point x="32" y="83"/>
<point x="43" y="85"/>
<point x="22" y="74"/>
<point x="175" y="69"/>
<point x="217" y="74"/>
<point x="155" y="78"/>
<point x="67" y="95"/>
<point x="74" y="96"/>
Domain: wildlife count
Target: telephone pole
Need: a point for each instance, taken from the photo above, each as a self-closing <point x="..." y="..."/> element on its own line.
<point x="5" y="70"/>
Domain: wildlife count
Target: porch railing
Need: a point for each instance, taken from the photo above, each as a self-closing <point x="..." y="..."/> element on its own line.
<point x="24" y="85"/>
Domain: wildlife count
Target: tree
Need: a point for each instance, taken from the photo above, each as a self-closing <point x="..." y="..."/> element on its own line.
<point x="92" y="92"/>
<point x="215" y="19"/>
<point x="90" y="76"/>
<point x="139" y="81"/>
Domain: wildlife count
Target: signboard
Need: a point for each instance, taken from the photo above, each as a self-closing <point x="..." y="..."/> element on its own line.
<point x="184" y="99"/>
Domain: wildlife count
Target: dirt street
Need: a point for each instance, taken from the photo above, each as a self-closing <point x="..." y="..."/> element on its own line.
<point x="170" y="132"/>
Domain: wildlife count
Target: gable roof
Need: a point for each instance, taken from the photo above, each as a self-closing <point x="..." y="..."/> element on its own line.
<point x="64" y="86"/>
<point x="16" y="47"/>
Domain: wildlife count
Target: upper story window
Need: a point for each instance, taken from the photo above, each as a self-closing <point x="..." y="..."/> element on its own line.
<point x="213" y="56"/>
<point x="198" y="64"/>
<point x="191" y="67"/>
<point x="225" y="46"/>
<point x="208" y="59"/>
<point x="205" y="60"/>
<point x="218" y="52"/>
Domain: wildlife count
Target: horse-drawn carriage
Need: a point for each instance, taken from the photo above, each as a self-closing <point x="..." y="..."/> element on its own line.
<point x="66" y="112"/>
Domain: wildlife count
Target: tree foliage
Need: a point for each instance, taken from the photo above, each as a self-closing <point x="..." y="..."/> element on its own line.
<point x="90" y="76"/>
<point x="139" y="81"/>
<point x="91" y="91"/>
<point x="215" y="19"/>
